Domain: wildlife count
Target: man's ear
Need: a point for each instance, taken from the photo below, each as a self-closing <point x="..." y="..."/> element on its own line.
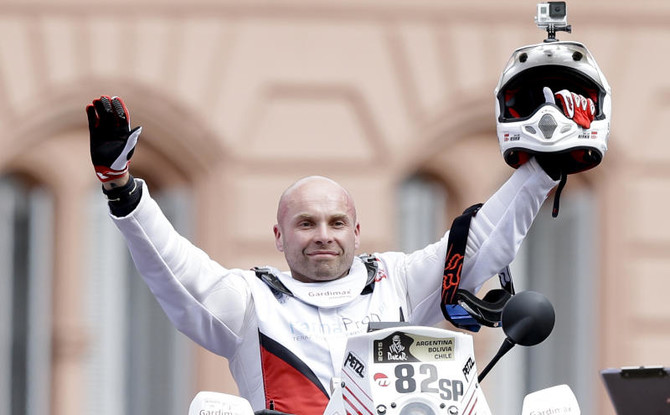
<point x="357" y="235"/>
<point x="279" y="243"/>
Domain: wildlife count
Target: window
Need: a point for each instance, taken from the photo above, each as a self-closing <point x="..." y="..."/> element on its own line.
<point x="25" y="296"/>
<point x="422" y="205"/>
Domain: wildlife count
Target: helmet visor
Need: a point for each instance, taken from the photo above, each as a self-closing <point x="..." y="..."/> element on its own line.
<point x="522" y="96"/>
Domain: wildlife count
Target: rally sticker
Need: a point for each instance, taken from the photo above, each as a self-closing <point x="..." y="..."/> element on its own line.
<point x="403" y="347"/>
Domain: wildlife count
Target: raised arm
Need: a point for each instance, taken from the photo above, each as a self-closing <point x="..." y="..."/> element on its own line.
<point x="204" y="300"/>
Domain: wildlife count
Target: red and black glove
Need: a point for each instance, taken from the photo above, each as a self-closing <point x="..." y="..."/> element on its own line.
<point x="578" y="108"/>
<point x="112" y="140"/>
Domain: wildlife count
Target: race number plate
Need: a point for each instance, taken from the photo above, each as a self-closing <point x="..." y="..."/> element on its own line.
<point x="430" y="369"/>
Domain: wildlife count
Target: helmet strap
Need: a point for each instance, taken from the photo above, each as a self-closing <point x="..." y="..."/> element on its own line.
<point x="557" y="195"/>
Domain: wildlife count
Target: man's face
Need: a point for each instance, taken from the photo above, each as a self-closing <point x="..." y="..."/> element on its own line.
<point x="317" y="230"/>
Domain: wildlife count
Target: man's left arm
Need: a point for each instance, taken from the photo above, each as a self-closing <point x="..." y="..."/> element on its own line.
<point x="495" y="235"/>
<point x="500" y="226"/>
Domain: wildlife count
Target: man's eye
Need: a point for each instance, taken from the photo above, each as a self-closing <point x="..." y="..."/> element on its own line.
<point x="304" y="224"/>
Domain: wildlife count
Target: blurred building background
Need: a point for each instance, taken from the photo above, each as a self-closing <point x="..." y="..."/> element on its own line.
<point x="393" y="98"/>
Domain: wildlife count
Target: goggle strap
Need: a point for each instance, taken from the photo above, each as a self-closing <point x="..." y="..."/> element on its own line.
<point x="453" y="264"/>
<point x="462" y="308"/>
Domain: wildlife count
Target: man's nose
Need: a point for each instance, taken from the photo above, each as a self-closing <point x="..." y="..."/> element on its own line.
<point x="323" y="233"/>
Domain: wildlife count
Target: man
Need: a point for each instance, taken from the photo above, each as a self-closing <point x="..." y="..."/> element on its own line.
<point x="284" y="333"/>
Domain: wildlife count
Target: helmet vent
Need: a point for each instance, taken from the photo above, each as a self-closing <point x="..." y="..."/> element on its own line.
<point x="547" y="125"/>
<point x="530" y="129"/>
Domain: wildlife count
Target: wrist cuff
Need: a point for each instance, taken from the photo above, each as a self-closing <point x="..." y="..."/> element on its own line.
<point x="123" y="200"/>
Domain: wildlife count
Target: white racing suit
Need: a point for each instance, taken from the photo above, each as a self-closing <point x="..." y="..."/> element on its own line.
<point x="283" y="349"/>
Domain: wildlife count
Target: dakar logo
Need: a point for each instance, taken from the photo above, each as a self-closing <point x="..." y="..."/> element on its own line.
<point x="394" y="348"/>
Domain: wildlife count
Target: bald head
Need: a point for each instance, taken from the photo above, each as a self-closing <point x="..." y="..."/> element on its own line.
<point x="314" y="186"/>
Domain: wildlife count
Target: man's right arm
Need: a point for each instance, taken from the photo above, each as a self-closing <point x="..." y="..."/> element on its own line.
<point x="202" y="299"/>
<point x="209" y="303"/>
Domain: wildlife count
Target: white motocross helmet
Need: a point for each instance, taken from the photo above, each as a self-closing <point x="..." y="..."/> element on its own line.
<point x="527" y="124"/>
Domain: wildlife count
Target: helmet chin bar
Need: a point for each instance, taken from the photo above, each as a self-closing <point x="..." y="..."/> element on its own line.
<point x="549" y="123"/>
<point x="550" y="133"/>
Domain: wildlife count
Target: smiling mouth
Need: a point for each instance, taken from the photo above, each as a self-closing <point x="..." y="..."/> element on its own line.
<point x="322" y="253"/>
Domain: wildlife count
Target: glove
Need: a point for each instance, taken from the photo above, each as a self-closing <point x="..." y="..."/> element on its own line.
<point x="576" y="107"/>
<point x="112" y="140"/>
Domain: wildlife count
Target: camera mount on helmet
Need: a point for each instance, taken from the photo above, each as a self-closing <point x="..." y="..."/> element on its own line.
<point x="553" y="17"/>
